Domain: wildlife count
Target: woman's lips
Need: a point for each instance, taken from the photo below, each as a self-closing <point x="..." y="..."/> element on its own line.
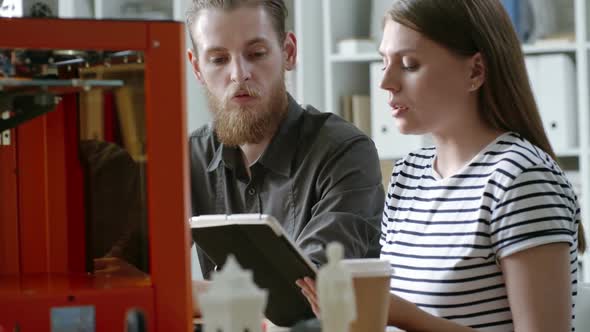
<point x="398" y="109"/>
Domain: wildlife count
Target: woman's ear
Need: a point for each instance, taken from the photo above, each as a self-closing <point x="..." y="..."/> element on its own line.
<point x="477" y="71"/>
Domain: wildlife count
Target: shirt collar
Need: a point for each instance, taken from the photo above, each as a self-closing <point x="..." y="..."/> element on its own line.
<point x="278" y="155"/>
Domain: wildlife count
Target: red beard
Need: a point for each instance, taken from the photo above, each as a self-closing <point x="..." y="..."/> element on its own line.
<point x="238" y="125"/>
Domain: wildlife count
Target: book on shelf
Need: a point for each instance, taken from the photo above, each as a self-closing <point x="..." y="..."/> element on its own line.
<point x="551" y="19"/>
<point x="361" y="113"/>
<point x="540" y="19"/>
<point x="357" y="110"/>
<point x="347" y="108"/>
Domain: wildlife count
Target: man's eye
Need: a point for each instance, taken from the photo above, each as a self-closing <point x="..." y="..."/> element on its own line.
<point x="258" y="54"/>
<point x="218" y="60"/>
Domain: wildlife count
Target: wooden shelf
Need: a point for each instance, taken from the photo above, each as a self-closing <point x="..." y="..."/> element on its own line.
<point x="573" y="152"/>
<point x="60" y="86"/>
<point x="549" y="47"/>
<point x="540" y="48"/>
<point x="359" y="57"/>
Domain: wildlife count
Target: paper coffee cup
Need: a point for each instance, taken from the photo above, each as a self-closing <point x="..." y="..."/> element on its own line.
<point x="371" y="278"/>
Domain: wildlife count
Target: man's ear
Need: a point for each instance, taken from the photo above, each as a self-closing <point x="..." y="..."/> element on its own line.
<point x="290" y="51"/>
<point x="477" y="71"/>
<point x="194" y="62"/>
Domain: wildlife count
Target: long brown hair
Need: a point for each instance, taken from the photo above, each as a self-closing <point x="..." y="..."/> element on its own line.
<point x="467" y="27"/>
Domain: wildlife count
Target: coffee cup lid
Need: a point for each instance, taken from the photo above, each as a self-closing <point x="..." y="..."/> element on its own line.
<point x="368" y="267"/>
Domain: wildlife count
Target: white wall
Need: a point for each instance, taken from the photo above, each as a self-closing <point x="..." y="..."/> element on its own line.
<point x="197" y="115"/>
<point x="196" y="106"/>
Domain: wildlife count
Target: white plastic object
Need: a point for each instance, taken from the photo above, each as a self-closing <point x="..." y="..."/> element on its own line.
<point x="233" y="303"/>
<point x="335" y="292"/>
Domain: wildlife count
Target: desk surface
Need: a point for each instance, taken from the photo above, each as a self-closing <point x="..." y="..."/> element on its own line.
<point x="270" y="327"/>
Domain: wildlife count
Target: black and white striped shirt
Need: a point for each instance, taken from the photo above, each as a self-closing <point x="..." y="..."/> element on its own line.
<point x="445" y="237"/>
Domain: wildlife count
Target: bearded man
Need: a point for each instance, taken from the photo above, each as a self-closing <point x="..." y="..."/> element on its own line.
<point x="315" y="173"/>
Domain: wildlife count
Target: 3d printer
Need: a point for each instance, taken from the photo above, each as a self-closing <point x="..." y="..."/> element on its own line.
<point x="92" y="166"/>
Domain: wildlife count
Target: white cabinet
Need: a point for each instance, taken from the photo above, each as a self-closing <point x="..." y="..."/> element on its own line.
<point x="553" y="80"/>
<point x="346" y="74"/>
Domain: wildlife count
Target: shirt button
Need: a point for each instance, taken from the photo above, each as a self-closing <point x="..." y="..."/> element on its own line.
<point x="252" y="191"/>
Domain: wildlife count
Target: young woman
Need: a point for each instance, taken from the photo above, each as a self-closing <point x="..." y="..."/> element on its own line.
<point x="483" y="229"/>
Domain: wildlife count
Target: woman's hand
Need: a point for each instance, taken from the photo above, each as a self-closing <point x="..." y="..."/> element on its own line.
<point x="402" y="313"/>
<point x="308" y="289"/>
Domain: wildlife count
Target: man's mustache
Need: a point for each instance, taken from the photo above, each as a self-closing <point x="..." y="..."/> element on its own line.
<point x="241" y="90"/>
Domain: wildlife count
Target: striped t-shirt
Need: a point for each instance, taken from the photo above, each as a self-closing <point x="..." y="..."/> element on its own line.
<point x="444" y="237"/>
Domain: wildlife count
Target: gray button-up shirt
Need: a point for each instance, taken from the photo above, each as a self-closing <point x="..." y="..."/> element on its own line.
<point x="319" y="177"/>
